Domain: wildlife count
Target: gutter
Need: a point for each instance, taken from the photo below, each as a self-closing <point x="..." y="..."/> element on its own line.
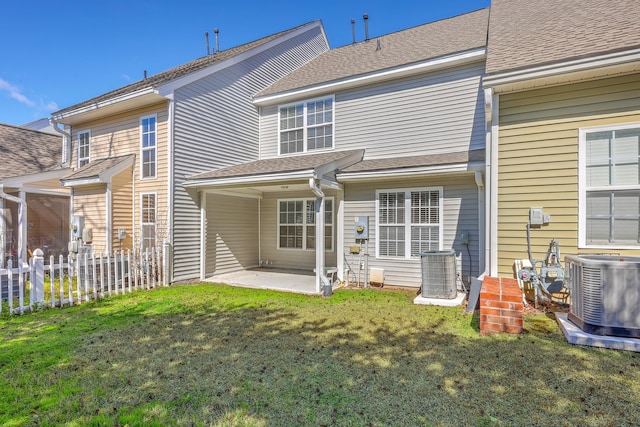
<point x="321" y="278"/>
<point x="22" y="212"/>
<point x="66" y="143"/>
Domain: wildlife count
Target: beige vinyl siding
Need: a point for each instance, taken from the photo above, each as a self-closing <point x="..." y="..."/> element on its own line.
<point x="122" y="206"/>
<point x="119" y="135"/>
<point x="91" y="202"/>
<point x="289" y="258"/>
<point x="232" y="234"/>
<point x="538" y="160"/>
<point x="460" y="213"/>
<point x="216" y="125"/>
<point x="439" y="112"/>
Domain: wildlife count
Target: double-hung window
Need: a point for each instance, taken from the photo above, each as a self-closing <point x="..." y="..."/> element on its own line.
<point x="306" y="126"/>
<point x="610" y="186"/>
<point x="297" y="224"/>
<point x="148" y="210"/>
<point x="148" y="146"/>
<point x="84" y="147"/>
<point x="409" y="221"/>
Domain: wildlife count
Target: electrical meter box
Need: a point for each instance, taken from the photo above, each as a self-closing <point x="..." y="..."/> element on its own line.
<point x="361" y="228"/>
<point x="536" y="216"/>
<point x="77" y="225"/>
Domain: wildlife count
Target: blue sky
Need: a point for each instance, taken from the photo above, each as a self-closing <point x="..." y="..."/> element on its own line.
<point x="56" y="54"/>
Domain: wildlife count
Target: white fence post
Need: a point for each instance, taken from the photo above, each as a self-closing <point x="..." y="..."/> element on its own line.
<point x="37" y="280"/>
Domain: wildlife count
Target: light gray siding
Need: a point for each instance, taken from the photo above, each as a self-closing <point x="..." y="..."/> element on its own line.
<point x="232" y="234"/>
<point x="433" y="113"/>
<point x="460" y="213"/>
<point x="216" y="125"/>
<point x="288" y="258"/>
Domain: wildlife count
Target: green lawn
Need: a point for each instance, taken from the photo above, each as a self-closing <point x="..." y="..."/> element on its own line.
<point x="215" y="355"/>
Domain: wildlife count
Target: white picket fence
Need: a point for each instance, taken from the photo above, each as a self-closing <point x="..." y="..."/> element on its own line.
<point x="87" y="278"/>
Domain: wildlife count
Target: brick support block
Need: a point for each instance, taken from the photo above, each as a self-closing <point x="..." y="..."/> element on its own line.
<point x="501" y="306"/>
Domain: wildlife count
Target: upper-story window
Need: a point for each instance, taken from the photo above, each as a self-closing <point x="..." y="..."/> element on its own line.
<point x="84" y="147"/>
<point x="610" y="186"/>
<point x="306" y="126"/>
<point x="148" y="146"/>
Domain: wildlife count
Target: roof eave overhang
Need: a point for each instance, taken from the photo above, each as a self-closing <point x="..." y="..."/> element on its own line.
<point x="431" y="65"/>
<point x="21" y="180"/>
<point x="128" y="102"/>
<point x="377" y="175"/>
<point x="610" y="65"/>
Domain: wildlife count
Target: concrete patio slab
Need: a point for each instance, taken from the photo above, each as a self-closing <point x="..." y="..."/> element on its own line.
<point x="299" y="281"/>
<point x="575" y="335"/>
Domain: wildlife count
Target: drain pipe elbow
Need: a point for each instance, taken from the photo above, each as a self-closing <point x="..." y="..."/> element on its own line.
<point x="66" y="143"/>
<point x="315" y="188"/>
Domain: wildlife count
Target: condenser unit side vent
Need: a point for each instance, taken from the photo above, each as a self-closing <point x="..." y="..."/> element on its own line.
<point x="438" y="274"/>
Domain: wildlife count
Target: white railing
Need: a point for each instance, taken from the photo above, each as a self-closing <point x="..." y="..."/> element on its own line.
<point x="88" y="277"/>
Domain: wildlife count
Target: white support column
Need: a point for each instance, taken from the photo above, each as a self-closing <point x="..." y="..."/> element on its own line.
<point x="203" y="235"/>
<point x="340" y="234"/>
<point x="109" y="220"/>
<point x="3" y="231"/>
<point x="319" y="242"/>
<point x="22" y="228"/>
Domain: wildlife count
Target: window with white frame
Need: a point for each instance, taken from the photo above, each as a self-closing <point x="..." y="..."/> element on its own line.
<point x="297" y="224"/>
<point x="148" y="131"/>
<point x="148" y="211"/>
<point x="610" y="186"/>
<point x="84" y="147"/>
<point x="306" y="126"/>
<point x="409" y="221"/>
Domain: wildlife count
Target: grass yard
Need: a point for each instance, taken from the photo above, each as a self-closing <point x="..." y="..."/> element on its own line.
<point x="216" y="355"/>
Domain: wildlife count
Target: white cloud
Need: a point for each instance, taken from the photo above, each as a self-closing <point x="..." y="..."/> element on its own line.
<point x="14" y="92"/>
<point x="49" y="106"/>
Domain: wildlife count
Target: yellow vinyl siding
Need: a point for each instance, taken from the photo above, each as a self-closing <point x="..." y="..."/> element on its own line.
<point x="90" y="202"/>
<point x="119" y="135"/>
<point x="538" y="160"/>
<point x="121" y="196"/>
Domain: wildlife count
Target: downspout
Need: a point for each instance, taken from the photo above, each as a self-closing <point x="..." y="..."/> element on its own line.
<point x="22" y="213"/>
<point x="321" y="278"/>
<point x="66" y="143"/>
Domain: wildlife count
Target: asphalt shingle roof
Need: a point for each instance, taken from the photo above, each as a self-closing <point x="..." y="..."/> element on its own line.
<point x="525" y="33"/>
<point x="276" y="165"/>
<point x="413" y="45"/>
<point x="94" y="168"/>
<point x="416" y="161"/>
<point x="25" y="151"/>
<point x="179" y="71"/>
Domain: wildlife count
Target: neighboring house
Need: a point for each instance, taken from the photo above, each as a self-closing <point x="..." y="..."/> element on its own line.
<point x="131" y="148"/>
<point x="563" y="87"/>
<point x="34" y="209"/>
<point x="391" y="128"/>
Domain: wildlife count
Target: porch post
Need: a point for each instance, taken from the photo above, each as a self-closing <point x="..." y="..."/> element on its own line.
<point x="3" y="230"/>
<point x="319" y="242"/>
<point x="22" y="228"/>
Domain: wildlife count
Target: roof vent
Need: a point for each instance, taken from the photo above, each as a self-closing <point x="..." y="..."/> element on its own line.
<point x="365" y="17"/>
<point x="378" y="46"/>
<point x="353" y="30"/>
<point x="206" y="36"/>
<point x="216" y="32"/>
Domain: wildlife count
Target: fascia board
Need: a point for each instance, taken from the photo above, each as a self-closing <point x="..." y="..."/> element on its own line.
<point x="81" y="182"/>
<point x="95" y="106"/>
<point x="411" y="172"/>
<point x="18" y="181"/>
<point x="501" y="82"/>
<point x="250" y="180"/>
<point x="109" y="173"/>
<point x="166" y="89"/>
<point x="374" y="77"/>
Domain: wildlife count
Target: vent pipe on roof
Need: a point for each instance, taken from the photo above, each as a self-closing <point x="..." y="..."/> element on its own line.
<point x="366" y="26"/>
<point x="145" y="74"/>
<point x="378" y="47"/>
<point x="216" y="31"/>
<point x="206" y="36"/>
<point x="353" y="30"/>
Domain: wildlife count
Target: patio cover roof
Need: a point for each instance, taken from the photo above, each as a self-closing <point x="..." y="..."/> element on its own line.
<point x="277" y="170"/>
<point x="98" y="171"/>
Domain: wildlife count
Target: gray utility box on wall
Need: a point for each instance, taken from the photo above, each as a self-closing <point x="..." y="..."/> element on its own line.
<point x="438" y="274"/>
